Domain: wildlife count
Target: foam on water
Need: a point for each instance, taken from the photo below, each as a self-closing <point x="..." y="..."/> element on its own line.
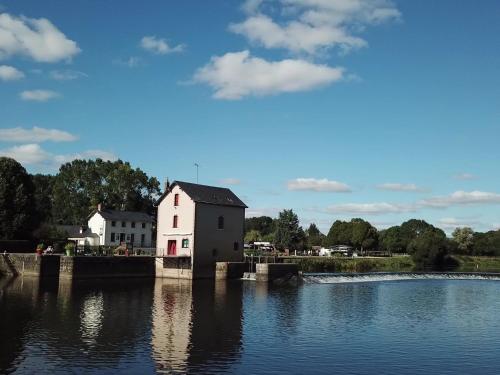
<point x="337" y="278"/>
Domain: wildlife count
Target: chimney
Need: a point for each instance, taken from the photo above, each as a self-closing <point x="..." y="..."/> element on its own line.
<point x="99" y="207"/>
<point x="81" y="229"/>
<point x="167" y="184"/>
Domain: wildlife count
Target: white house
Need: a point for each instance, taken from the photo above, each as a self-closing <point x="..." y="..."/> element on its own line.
<point x="198" y="225"/>
<point x="114" y="227"/>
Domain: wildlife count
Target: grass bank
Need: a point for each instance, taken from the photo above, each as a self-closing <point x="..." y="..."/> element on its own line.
<point x="389" y="264"/>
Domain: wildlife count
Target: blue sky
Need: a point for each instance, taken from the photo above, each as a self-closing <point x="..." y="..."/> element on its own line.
<point x="385" y="110"/>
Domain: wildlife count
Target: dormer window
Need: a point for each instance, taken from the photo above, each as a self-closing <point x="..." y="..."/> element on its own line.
<point x="220" y="222"/>
<point x="176" y="199"/>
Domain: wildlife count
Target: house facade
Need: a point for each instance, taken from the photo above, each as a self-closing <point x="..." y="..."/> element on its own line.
<point x="114" y="227"/>
<point x="197" y="226"/>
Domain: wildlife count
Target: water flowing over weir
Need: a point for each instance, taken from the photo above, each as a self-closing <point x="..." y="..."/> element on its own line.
<point x="338" y="278"/>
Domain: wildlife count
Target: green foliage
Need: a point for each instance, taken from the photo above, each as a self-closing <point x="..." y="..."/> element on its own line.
<point x="391" y="240"/>
<point x="464" y="238"/>
<point x="314" y="236"/>
<point x="429" y="249"/>
<point x="252" y="236"/>
<point x="288" y="233"/>
<point x="17" y="219"/>
<point x="358" y="233"/>
<point x="82" y="184"/>
<point x="262" y="224"/>
<point x="333" y="264"/>
<point x="486" y="243"/>
<point x="43" y="186"/>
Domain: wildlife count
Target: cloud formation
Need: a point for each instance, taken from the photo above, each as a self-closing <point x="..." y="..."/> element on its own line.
<point x="461" y="198"/>
<point x="313" y="25"/>
<point x="237" y="74"/>
<point x="66" y="75"/>
<point x="379" y="208"/>
<point x="318" y="185"/>
<point x="465" y="176"/>
<point x="39" y="95"/>
<point x="9" y="73"/>
<point x="400" y="187"/>
<point x="34" y="154"/>
<point x="230" y="181"/>
<point x="159" y="46"/>
<point x="35" y="134"/>
<point x="38" y="39"/>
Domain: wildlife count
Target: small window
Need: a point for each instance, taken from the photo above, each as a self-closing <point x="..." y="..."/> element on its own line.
<point x="236" y="246"/>
<point x="128" y="237"/>
<point x="124" y="224"/>
<point x="143" y="225"/>
<point x="176" y="222"/>
<point x="132" y="224"/>
<point x="176" y="199"/>
<point x="185" y="243"/>
<point x="220" y="224"/>
<point x="112" y="237"/>
<point x="113" y="223"/>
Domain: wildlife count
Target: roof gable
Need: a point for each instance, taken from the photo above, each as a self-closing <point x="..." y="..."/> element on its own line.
<point x="206" y="194"/>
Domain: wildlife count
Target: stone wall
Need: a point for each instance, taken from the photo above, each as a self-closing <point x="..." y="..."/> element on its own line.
<point x="267" y="272"/>
<point x="230" y="270"/>
<point x="81" y="267"/>
<point x="30" y="265"/>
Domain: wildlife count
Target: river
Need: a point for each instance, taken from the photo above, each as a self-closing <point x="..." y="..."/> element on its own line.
<point x="326" y="325"/>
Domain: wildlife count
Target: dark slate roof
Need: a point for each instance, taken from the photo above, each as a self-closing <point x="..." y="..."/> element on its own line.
<point x="117" y="215"/>
<point x="207" y="194"/>
<point x="73" y="231"/>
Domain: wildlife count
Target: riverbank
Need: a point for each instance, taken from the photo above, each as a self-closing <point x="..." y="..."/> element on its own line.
<point x="389" y="264"/>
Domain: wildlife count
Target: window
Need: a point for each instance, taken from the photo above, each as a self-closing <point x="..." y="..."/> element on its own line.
<point x="124" y="224"/>
<point x="214" y="252"/>
<point x="112" y="237"/>
<point x="175" y="223"/>
<point x="128" y="237"/>
<point x="143" y="225"/>
<point x="143" y="239"/>
<point x="113" y="223"/>
<point x="236" y="246"/>
<point x="132" y="224"/>
<point x="220" y="224"/>
<point x="132" y="238"/>
<point x="176" y="199"/>
<point x="185" y="243"/>
<point x="122" y="237"/>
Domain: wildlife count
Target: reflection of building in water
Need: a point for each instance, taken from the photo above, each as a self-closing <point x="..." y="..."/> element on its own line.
<point x="196" y="324"/>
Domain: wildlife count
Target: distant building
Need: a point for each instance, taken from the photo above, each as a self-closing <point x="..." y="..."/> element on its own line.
<point x="197" y="226"/>
<point x="108" y="227"/>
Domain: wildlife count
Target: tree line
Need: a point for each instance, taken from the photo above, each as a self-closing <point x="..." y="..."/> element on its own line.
<point x="31" y="205"/>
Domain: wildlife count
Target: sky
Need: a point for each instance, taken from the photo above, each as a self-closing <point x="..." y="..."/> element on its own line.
<point x="385" y="110"/>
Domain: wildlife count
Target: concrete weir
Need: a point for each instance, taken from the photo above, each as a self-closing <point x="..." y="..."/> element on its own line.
<point x="29" y="265"/>
<point x="269" y="272"/>
<point x="229" y="270"/>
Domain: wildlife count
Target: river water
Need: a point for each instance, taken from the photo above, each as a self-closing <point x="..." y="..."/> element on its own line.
<point x="326" y="325"/>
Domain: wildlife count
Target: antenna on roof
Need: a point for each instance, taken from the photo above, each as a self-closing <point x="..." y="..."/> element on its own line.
<point x="197" y="168"/>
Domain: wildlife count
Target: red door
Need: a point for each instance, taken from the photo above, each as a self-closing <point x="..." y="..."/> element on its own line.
<point x="172" y="247"/>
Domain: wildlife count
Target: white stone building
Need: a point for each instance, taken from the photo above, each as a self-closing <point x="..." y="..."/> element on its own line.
<point x="198" y="225"/>
<point x="114" y="227"/>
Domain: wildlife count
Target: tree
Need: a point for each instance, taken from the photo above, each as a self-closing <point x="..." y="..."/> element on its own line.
<point x="314" y="236"/>
<point x="364" y="235"/>
<point x="486" y="243"/>
<point x="391" y="240"/>
<point x="429" y="249"/>
<point x="340" y="233"/>
<point x="288" y="233"/>
<point x="82" y="184"/>
<point x="464" y="238"/>
<point x="44" y="185"/>
<point x="17" y="209"/>
<point x="252" y="236"/>
<point x="263" y="224"/>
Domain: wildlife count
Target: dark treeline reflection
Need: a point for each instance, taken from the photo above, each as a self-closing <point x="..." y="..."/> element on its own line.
<point x="130" y="326"/>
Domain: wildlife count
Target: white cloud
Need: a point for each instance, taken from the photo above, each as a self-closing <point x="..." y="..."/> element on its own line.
<point x="450" y="223"/>
<point x="379" y="208"/>
<point x="35" y="134"/>
<point x="314" y="25"/>
<point x="400" y="187"/>
<point x="39" y="95"/>
<point x="159" y="46"/>
<point x="34" y="154"/>
<point x="230" y="181"/>
<point x="235" y="75"/>
<point x="35" y="38"/>
<point x="318" y="185"/>
<point x="461" y="198"/>
<point x="265" y="211"/>
<point x="131" y="62"/>
<point x="465" y="176"/>
<point x="66" y="75"/>
<point x="9" y="73"/>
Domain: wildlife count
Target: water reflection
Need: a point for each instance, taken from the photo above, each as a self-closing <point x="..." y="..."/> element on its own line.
<point x="196" y="325"/>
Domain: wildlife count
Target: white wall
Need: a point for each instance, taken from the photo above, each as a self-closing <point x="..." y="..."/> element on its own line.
<point x="185" y="223"/>
<point x="104" y="229"/>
